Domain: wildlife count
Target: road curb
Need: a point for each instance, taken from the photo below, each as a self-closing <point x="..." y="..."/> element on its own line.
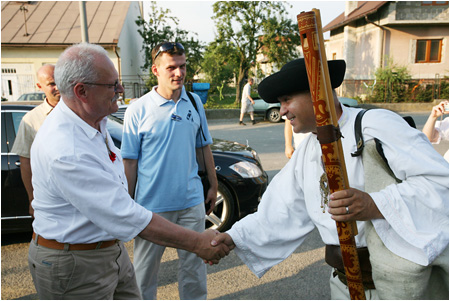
<point x="396" y="107"/>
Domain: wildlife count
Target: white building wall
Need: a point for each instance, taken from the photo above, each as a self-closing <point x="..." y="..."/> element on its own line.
<point x="129" y="48"/>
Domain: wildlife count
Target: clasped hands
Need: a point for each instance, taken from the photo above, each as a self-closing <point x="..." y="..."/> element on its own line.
<point x="213" y="246"/>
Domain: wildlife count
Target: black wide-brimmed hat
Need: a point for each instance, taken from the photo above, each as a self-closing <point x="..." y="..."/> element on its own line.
<point x="292" y="78"/>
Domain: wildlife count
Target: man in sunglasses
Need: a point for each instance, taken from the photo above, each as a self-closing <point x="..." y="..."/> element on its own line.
<point x="82" y="205"/>
<point x="162" y="140"/>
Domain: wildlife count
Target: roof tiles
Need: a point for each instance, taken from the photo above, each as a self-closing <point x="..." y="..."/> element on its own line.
<point x="58" y="22"/>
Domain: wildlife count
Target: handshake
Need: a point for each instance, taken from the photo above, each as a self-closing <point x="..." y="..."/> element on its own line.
<point x="213" y="246"/>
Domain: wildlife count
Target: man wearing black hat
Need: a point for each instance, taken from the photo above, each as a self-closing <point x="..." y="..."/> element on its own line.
<point x="409" y="218"/>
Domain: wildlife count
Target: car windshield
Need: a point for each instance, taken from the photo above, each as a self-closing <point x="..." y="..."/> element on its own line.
<point x="114" y="126"/>
<point x="32" y="96"/>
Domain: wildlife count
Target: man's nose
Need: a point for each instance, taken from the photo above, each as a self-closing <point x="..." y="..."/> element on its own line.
<point x="283" y="109"/>
<point x="120" y="88"/>
<point x="178" y="72"/>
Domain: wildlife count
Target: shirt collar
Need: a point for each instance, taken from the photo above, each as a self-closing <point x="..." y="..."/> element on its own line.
<point x="161" y="100"/>
<point x="89" y="130"/>
<point x="344" y="117"/>
<point x="48" y="108"/>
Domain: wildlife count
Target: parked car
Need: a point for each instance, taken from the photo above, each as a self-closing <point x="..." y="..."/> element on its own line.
<point x="270" y="111"/>
<point x="349" y="102"/>
<point x="120" y="112"/>
<point x="32" y="96"/>
<point x="241" y="177"/>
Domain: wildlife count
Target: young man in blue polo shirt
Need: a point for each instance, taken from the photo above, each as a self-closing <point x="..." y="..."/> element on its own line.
<point x="161" y="142"/>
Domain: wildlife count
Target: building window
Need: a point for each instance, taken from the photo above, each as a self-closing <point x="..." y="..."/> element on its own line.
<point x="9" y="87"/>
<point x="8" y="70"/>
<point x="428" y="51"/>
<point x="429" y="3"/>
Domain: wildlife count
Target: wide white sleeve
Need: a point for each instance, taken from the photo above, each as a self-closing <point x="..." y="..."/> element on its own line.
<point x="416" y="212"/>
<point x="268" y="236"/>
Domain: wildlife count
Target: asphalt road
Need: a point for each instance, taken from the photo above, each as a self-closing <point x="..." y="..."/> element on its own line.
<point x="304" y="275"/>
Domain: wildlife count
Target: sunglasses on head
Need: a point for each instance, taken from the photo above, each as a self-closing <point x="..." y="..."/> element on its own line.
<point x="168" y="46"/>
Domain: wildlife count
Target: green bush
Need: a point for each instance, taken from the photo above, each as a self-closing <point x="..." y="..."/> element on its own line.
<point x="443" y="89"/>
<point x="391" y="84"/>
<point x="424" y="94"/>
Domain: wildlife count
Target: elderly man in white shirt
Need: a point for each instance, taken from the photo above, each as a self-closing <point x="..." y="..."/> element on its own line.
<point x="410" y="218"/>
<point x="82" y="207"/>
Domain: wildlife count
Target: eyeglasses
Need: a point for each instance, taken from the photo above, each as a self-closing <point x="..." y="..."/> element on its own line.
<point x="115" y="85"/>
<point x="167" y="47"/>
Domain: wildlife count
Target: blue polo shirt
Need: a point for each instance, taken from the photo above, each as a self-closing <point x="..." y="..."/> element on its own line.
<point x="163" y="135"/>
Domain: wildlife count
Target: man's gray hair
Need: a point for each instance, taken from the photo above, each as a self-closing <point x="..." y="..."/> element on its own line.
<point x="76" y="65"/>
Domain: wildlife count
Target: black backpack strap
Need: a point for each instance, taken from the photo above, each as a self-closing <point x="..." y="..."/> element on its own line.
<point x="195" y="106"/>
<point x="358" y="134"/>
<point x="360" y="141"/>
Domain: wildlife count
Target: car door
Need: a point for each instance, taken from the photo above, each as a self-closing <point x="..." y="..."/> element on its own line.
<point x="14" y="196"/>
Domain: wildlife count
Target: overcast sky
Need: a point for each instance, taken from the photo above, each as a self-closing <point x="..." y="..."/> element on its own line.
<point x="196" y="16"/>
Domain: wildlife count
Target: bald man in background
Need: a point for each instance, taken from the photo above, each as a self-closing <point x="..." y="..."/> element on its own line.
<point x="31" y="123"/>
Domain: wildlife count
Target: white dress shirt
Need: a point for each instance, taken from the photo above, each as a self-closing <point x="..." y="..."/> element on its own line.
<point x="415" y="224"/>
<point x="80" y="194"/>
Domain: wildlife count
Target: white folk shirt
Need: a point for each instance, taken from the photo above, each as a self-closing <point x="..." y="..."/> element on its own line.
<point x="80" y="195"/>
<point x="416" y="211"/>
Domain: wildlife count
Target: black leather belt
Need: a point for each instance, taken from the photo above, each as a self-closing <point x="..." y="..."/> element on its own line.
<point x="333" y="257"/>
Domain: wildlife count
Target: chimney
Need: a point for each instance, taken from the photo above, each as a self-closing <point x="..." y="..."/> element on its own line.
<point x="350" y="6"/>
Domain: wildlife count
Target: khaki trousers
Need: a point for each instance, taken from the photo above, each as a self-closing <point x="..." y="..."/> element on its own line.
<point x="75" y="275"/>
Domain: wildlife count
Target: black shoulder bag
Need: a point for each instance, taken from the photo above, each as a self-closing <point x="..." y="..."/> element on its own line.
<point x="203" y="173"/>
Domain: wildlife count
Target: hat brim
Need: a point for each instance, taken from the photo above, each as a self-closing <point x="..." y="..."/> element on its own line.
<point x="292" y="78"/>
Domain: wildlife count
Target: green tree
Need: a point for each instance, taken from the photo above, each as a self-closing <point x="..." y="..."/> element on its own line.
<point x="219" y="63"/>
<point x="161" y="26"/>
<point x="253" y="27"/>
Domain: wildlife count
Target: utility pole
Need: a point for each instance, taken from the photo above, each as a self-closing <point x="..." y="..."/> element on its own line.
<point x="83" y="20"/>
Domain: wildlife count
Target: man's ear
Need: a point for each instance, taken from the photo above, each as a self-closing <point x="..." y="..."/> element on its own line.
<point x="155" y="70"/>
<point x="80" y="92"/>
<point x="38" y="85"/>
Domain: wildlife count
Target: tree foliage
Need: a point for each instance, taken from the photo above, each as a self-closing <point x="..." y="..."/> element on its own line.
<point x="247" y="28"/>
<point x="160" y="27"/>
<point x="219" y="63"/>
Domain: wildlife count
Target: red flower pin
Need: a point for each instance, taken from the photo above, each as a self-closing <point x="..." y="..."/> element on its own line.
<point x="112" y="156"/>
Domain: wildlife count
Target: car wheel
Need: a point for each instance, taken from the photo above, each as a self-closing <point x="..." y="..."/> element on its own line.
<point x="274" y="115"/>
<point x="223" y="215"/>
